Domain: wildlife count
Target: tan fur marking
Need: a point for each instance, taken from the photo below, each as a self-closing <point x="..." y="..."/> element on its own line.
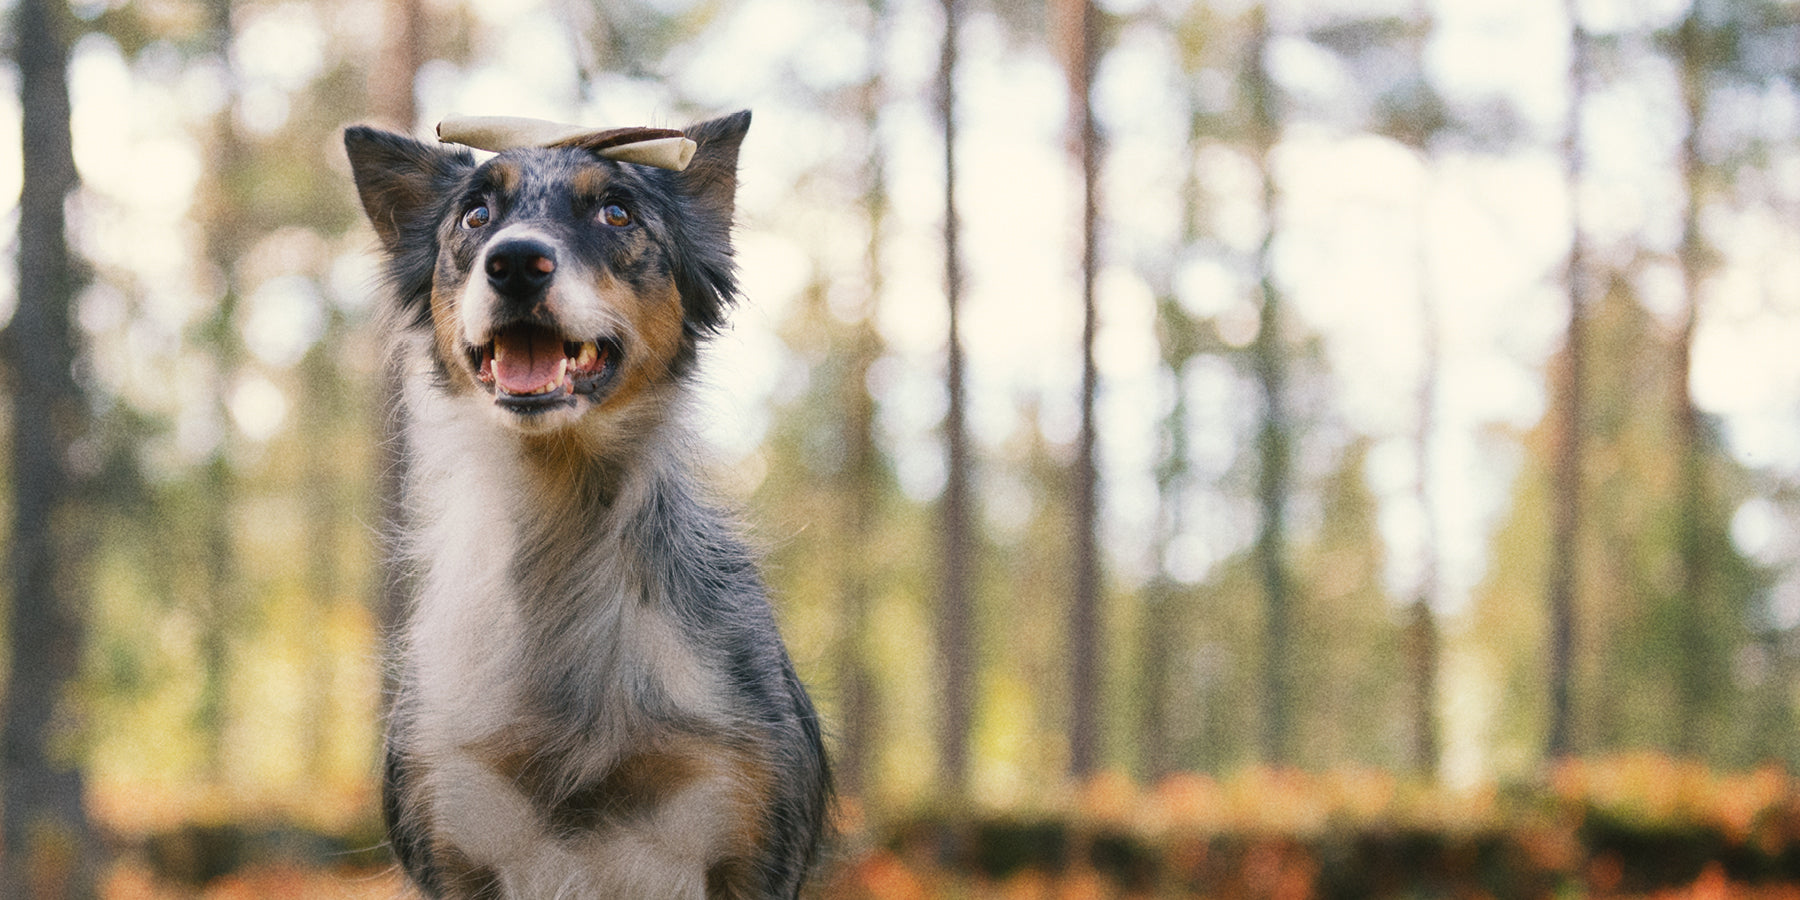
<point x="754" y="783"/>
<point x="514" y="755"/>
<point x="589" y="182"/>
<point x="635" y="785"/>
<point x="659" y="320"/>
<point x="752" y="789"/>
<point x="447" y="331"/>
<point x="564" y="463"/>
<point x="506" y="175"/>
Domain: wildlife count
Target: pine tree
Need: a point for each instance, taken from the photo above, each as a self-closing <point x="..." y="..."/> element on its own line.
<point x="955" y="618"/>
<point x="1693" y="682"/>
<point x="391" y="100"/>
<point x="1080" y="23"/>
<point x="228" y="234"/>
<point x="49" y="851"/>
<point x="1274" y="438"/>
<point x="860" y="484"/>
<point x="1566" y="481"/>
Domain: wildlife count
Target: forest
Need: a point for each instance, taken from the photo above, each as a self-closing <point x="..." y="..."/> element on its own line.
<point x="1198" y="448"/>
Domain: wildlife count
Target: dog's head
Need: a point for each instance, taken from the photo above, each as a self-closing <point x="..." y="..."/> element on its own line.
<point x="554" y="284"/>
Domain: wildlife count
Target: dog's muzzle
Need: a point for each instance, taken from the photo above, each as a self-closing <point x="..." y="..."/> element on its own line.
<point x="529" y="360"/>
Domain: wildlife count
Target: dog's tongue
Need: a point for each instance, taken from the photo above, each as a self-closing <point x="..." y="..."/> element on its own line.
<point x="528" y="361"/>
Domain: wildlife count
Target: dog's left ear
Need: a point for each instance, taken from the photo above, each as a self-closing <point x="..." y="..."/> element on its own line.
<point x="711" y="176"/>
<point x="704" y="272"/>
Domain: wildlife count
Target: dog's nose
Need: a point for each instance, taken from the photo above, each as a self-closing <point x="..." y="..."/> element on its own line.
<point x="520" y="268"/>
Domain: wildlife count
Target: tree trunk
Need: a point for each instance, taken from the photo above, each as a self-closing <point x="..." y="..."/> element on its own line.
<point x="49" y="849"/>
<point x="1421" y="625"/>
<point x="858" y="727"/>
<point x="1423" y="653"/>
<point x="1422" y="660"/>
<point x="393" y="102"/>
<point x="955" y="631"/>
<point x="1565" y="499"/>
<point x="1269" y="360"/>
<point x="862" y="489"/>
<point x="1082" y="21"/>
<point x="1694" y="668"/>
<point x="224" y="597"/>
<point x="1157" y="644"/>
<point x="402" y="53"/>
<point x="227" y="237"/>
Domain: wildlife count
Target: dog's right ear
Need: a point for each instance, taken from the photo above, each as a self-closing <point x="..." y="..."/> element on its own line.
<point x="402" y="182"/>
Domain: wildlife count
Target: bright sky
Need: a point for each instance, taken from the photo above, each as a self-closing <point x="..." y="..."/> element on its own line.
<point x="1369" y="228"/>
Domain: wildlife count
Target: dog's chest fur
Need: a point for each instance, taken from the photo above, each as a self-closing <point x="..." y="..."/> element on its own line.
<point x="568" y="737"/>
<point x="524" y="573"/>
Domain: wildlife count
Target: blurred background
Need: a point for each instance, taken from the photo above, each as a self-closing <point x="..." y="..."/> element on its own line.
<point x="1316" y="448"/>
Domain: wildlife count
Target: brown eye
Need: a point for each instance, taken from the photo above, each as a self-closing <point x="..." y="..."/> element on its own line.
<point x="615" y="215"/>
<point x="475" y="218"/>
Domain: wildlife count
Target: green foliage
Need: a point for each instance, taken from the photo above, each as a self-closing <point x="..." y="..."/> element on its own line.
<point x="1637" y="626"/>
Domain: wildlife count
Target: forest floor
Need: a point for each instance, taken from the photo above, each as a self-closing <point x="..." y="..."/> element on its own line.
<point x="1638" y="828"/>
<point x="877" y="877"/>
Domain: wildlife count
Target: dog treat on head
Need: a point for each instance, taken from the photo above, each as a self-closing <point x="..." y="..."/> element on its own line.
<point x="664" y="148"/>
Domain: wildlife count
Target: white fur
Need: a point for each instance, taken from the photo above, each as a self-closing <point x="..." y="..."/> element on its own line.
<point x="465" y="647"/>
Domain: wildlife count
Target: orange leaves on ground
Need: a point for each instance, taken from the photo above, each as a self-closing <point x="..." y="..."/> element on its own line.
<point x="879" y="875"/>
<point x="1713" y="885"/>
<point x="1593" y="831"/>
<point x="1661" y="789"/>
<point x="128" y="881"/>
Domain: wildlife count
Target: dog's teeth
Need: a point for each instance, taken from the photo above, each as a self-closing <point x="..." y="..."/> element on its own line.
<point x="588" y="354"/>
<point x="499" y="351"/>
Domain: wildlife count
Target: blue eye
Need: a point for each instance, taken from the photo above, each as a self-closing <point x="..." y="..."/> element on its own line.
<point x="476" y="218"/>
<point x="615" y="215"/>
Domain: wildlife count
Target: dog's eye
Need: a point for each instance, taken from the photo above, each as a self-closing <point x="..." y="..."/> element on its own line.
<point x="615" y="215"/>
<point x="475" y="218"/>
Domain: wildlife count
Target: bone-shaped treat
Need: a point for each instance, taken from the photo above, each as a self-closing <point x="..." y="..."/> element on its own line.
<point x="664" y="148"/>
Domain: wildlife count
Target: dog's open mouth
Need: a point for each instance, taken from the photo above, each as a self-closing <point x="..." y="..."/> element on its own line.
<point x="532" y="368"/>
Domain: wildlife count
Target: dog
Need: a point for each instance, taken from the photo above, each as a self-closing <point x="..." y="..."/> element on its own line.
<point x="592" y="698"/>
